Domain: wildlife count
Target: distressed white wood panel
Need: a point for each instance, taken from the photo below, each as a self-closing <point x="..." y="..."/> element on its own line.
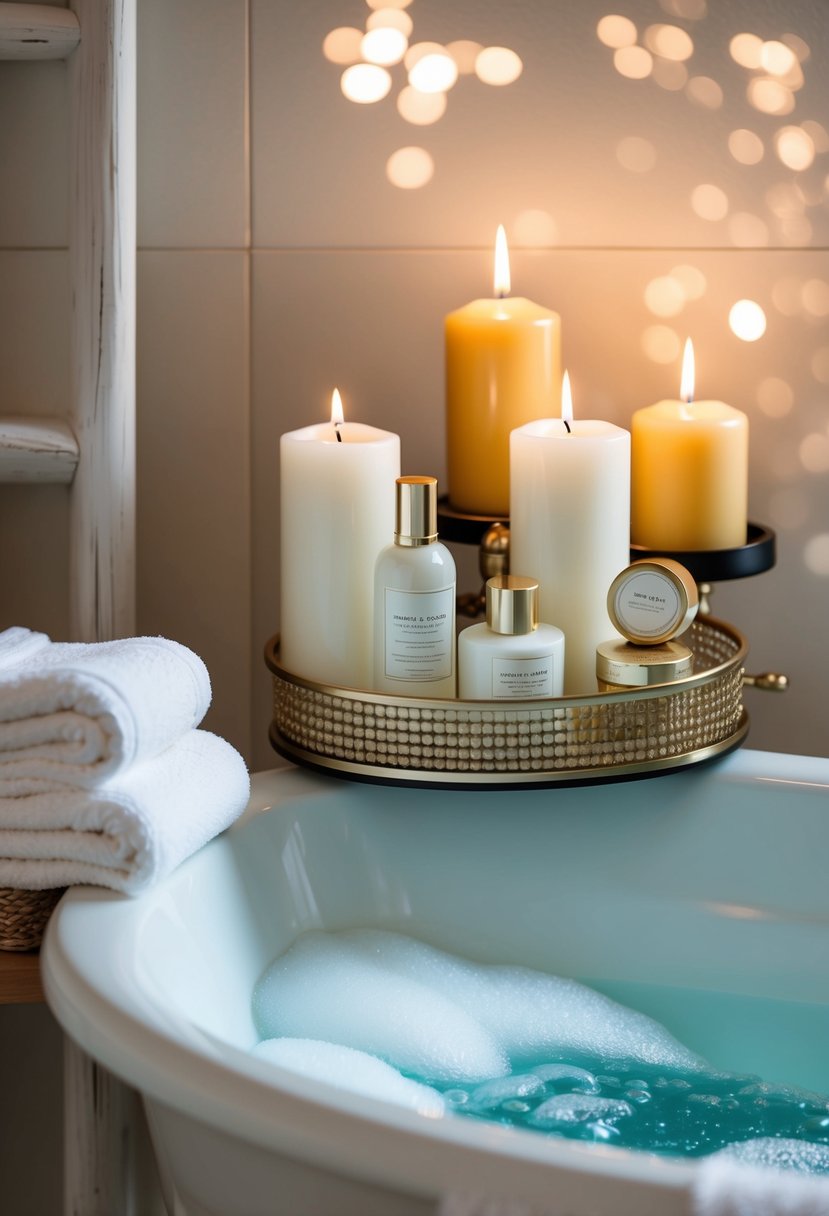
<point x="540" y="155"/>
<point x="34" y="138"/>
<point x="37" y="31"/>
<point x="373" y="325"/>
<point x="192" y="113"/>
<point x="193" y="469"/>
<point x="37" y="449"/>
<point x="102" y="260"/>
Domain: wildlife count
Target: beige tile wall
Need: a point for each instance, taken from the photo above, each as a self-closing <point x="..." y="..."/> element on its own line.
<point x="277" y="260"/>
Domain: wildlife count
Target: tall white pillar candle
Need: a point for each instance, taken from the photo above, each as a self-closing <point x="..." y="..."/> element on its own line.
<point x="570" y="528"/>
<point x="337" y="485"/>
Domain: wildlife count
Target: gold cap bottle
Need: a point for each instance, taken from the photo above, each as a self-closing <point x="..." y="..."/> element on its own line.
<point x="416" y="518"/>
<point x="511" y="604"/>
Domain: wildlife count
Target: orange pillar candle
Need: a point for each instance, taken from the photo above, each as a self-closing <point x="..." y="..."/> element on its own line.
<point x="689" y="484"/>
<point x="503" y="369"/>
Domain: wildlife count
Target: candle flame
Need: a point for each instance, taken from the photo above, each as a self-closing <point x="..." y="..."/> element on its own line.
<point x="337" y="416"/>
<point x="502" y="279"/>
<point x="566" y="401"/>
<point x="686" y="391"/>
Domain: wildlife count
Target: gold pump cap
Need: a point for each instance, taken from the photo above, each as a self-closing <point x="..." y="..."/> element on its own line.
<point x="416" y="511"/>
<point x="511" y="603"/>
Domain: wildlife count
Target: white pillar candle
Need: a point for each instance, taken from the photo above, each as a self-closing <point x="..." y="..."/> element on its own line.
<point x="337" y="485"/>
<point x="570" y="527"/>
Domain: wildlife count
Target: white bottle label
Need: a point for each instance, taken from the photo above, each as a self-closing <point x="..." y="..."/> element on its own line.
<point x="522" y="678"/>
<point x="419" y="630"/>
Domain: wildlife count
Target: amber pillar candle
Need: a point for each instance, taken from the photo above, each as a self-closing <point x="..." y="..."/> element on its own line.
<point x="503" y="369"/>
<point x="689" y="481"/>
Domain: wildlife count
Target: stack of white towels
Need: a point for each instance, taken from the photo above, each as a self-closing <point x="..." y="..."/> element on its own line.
<point x="104" y="777"/>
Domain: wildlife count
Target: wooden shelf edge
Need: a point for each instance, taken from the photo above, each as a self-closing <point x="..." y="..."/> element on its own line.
<point x="37" y="449"/>
<point x="20" y="982"/>
<point x="37" y="31"/>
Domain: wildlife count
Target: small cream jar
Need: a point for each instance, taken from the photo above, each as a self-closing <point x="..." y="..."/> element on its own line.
<point x="652" y="601"/>
<point x="624" y="665"/>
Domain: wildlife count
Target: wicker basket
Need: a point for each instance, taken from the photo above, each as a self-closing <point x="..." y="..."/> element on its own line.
<point x="409" y="740"/>
<point x="24" y="915"/>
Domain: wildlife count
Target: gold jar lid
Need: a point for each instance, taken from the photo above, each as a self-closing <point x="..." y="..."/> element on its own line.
<point x="652" y="600"/>
<point x="511" y="603"/>
<point x="416" y="511"/>
<point x="626" y="665"/>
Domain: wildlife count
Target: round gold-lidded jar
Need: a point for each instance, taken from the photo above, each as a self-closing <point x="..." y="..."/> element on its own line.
<point x="622" y="665"/>
<point x="652" y="601"/>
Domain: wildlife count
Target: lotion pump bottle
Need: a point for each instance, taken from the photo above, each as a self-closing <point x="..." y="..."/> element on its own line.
<point x="511" y="657"/>
<point x="414" y="600"/>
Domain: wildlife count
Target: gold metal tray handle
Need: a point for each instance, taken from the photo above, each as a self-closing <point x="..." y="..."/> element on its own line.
<point x="767" y="681"/>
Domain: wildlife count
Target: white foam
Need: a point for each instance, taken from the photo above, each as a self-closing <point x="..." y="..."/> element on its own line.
<point x="444" y="1018"/>
<point x="353" y="1070"/>
<point x="331" y="987"/>
<point x="564" y="1109"/>
<point x="780" y="1153"/>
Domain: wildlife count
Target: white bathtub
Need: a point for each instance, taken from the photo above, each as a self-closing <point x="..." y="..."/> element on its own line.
<point x="682" y="894"/>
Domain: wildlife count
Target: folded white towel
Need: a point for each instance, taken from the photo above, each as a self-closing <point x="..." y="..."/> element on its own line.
<point x="131" y="831"/>
<point x="726" y="1186"/>
<point x="79" y="712"/>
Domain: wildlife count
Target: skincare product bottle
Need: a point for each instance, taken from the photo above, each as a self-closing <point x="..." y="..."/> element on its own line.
<point x="414" y="600"/>
<point x="511" y="657"/>
<point x="624" y="665"/>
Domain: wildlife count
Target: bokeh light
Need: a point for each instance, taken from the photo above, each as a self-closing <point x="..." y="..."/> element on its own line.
<point x="814" y="297"/>
<point x="418" y="50"/>
<point x="813" y="451"/>
<point x="669" y="41"/>
<point x="747" y="320"/>
<point x="709" y="202"/>
<point x="634" y="62"/>
<point x="816" y="554"/>
<point x="746" y="146"/>
<point x="795" y="148"/>
<point x="798" y="45"/>
<point x="770" y="96"/>
<point x="783" y="200"/>
<point x="669" y="75"/>
<point x="615" y="31"/>
<point x="410" y="168"/>
<point x="705" y="92"/>
<point x="661" y="344"/>
<point x="465" y="52"/>
<point x="388" y="3"/>
<point x="775" y="397"/>
<point x="434" y="73"/>
<point x="342" y="45"/>
<point x="384" y="46"/>
<point x="636" y="154"/>
<point x="746" y="49"/>
<point x="498" y="65"/>
<point x="693" y="281"/>
<point x="391" y="18"/>
<point x="786" y="295"/>
<point x="421" y="109"/>
<point x="777" y="58"/>
<point x="365" y="83"/>
<point x="665" y="296"/>
<point x="817" y="133"/>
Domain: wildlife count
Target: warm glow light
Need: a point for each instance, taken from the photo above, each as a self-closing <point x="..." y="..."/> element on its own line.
<point x="705" y="92"/>
<point x="746" y="49"/>
<point x="795" y="148"/>
<point x="419" y="50"/>
<point x="388" y="3"/>
<point x="660" y="343"/>
<point x="686" y="384"/>
<point x="502" y="275"/>
<point x="746" y="147"/>
<point x="634" y="62"/>
<point x="465" y="53"/>
<point x="615" y="31"/>
<point x="365" y="83"/>
<point x="391" y="18"/>
<point x="636" y="154"/>
<point x="709" y="202"/>
<point x="337" y="416"/>
<point x="770" y="96"/>
<point x="498" y="65"/>
<point x="665" y="296"/>
<point x="800" y="48"/>
<point x="342" y="45"/>
<point x="534" y="228"/>
<point x="747" y="320"/>
<point x="669" y="41"/>
<point x="421" y="109"/>
<point x="817" y="133"/>
<point x="410" y="168"/>
<point x="748" y="231"/>
<point x="670" y="75"/>
<point x="566" y="399"/>
<point x="434" y="73"/>
<point x="777" y="58"/>
<point x="384" y="46"/>
<point x="692" y="279"/>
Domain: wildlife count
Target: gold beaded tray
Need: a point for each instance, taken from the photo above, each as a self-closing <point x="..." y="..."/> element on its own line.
<point x="606" y="736"/>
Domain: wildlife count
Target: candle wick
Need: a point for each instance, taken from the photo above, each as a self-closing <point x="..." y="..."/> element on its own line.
<point x="502" y="295"/>
<point x="337" y="432"/>
<point x="567" y="424"/>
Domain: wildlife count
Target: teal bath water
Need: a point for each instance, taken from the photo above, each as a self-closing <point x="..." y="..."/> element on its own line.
<point x="769" y="1078"/>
